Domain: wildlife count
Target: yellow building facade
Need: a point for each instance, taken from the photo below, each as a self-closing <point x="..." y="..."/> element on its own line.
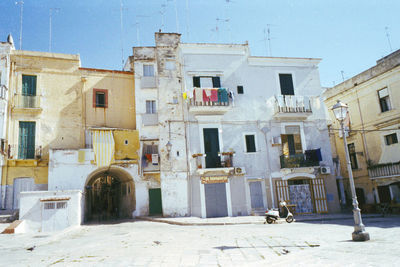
<point x="54" y="104"/>
<point x="373" y="97"/>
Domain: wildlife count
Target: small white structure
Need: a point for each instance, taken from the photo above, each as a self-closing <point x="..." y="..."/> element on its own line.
<point x="46" y="211"/>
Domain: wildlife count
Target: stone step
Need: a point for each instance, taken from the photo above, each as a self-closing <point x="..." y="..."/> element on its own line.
<point x="13" y="227"/>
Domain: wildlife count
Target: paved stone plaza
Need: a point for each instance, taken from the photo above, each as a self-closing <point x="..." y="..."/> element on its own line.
<point x="141" y="243"/>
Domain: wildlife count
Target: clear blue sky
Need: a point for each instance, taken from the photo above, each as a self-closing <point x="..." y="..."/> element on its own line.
<point x="348" y="35"/>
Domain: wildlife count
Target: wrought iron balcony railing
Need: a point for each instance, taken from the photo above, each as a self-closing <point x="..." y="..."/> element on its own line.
<point x="27" y="101"/>
<point x="297" y="161"/>
<point x="292" y="104"/>
<point x="24" y="152"/>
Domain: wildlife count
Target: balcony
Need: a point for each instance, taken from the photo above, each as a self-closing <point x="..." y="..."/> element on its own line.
<point x="292" y="107"/>
<point x="24" y="156"/>
<point x="224" y="165"/>
<point x="209" y="101"/>
<point x="150" y="119"/>
<point x="25" y="103"/>
<point x="148" y="82"/>
<point x="384" y="170"/>
<point x="297" y="161"/>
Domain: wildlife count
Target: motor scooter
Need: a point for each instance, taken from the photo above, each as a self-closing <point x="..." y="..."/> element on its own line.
<point x="274" y="214"/>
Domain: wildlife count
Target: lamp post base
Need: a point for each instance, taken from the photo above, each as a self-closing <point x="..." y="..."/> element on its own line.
<point x="360" y="236"/>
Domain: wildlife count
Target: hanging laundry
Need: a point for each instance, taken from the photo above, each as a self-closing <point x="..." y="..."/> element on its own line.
<point x="206" y="98"/>
<point x="190" y="94"/>
<point x="184" y="95"/>
<point x="232" y="96"/>
<point x="198" y="95"/>
<point x="222" y="95"/>
<point x="214" y="95"/>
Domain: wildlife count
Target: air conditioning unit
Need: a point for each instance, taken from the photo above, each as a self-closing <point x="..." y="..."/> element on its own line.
<point x="325" y="170"/>
<point x="239" y="171"/>
<point x="276" y="140"/>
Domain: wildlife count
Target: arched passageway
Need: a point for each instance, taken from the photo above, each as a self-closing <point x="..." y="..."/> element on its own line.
<point x="109" y="195"/>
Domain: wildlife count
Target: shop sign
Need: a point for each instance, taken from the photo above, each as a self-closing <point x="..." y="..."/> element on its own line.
<point x="214" y="179"/>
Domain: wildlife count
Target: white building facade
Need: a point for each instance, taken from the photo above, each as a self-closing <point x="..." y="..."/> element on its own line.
<point x="5" y="62"/>
<point x="235" y="134"/>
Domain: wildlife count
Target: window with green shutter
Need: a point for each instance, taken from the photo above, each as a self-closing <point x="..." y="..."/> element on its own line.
<point x="28" y="85"/>
<point x="26" y="144"/>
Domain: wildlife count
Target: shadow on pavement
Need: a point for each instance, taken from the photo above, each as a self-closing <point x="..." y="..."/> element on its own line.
<point x="381" y="222"/>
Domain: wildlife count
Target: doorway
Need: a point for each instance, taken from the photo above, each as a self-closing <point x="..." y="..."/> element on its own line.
<point x="211" y="147"/>
<point x="109" y="195"/>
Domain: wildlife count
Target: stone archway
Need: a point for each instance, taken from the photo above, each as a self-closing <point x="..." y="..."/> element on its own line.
<point x="109" y="195"/>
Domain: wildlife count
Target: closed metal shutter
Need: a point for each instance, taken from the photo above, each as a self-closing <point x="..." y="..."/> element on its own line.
<point x="216" y="205"/>
<point x="256" y="195"/>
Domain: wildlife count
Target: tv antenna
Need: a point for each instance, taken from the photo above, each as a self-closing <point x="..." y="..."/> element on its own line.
<point x="121" y="10"/>
<point x="137" y="24"/>
<point x="162" y="12"/>
<point x="21" y="14"/>
<point x="342" y="72"/>
<point x="176" y="17"/>
<point x="267" y="40"/>
<point x="55" y="9"/>
<point x="388" y="38"/>
<point x="216" y="26"/>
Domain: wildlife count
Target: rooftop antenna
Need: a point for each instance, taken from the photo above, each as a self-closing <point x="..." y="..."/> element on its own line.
<point x="228" y="19"/>
<point x="187" y="18"/>
<point x="267" y="40"/>
<point x="21" y="3"/>
<point x="388" y="37"/>
<point x="216" y="27"/>
<point x="342" y="72"/>
<point x="50" y="22"/>
<point x="162" y="12"/>
<point x="176" y="17"/>
<point x="121" y="9"/>
<point x="137" y="28"/>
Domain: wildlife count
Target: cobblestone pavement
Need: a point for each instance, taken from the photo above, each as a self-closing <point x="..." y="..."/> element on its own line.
<point x="140" y="243"/>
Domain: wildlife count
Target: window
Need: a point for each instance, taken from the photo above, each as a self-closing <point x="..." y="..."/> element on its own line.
<point x="291" y="141"/>
<point x="149" y="149"/>
<point x="286" y="83"/>
<point x="391" y="139"/>
<point x="240" y="89"/>
<point x="384" y="100"/>
<point x="148" y="70"/>
<point x="100" y="98"/>
<point x="26" y="140"/>
<point x="353" y="156"/>
<point x="207" y="82"/>
<point x="28" y="85"/>
<point x="250" y="143"/>
<point x="151" y="107"/>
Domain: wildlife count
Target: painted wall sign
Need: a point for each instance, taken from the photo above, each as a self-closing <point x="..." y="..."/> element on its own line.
<point x="214" y="179"/>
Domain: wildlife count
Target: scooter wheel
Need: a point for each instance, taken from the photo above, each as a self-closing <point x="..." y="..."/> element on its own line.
<point x="290" y="219"/>
<point x="269" y="220"/>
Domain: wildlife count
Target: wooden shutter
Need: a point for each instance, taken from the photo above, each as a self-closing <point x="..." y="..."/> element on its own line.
<point x="196" y="81"/>
<point x="286" y="83"/>
<point x="216" y="82"/>
<point x="28" y="85"/>
<point x="26" y="144"/>
<point x="319" y="195"/>
<point x="282" y="191"/>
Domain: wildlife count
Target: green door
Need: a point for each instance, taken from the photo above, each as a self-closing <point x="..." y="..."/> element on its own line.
<point x="211" y="147"/>
<point x="26" y="144"/>
<point x="155" y="204"/>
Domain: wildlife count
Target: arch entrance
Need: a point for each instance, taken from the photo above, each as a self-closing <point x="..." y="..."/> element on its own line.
<point x="109" y="195"/>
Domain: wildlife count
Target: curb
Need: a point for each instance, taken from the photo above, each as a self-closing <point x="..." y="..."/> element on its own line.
<point x="160" y="220"/>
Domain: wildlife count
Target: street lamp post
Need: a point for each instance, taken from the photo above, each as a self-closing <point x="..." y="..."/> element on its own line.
<point x="359" y="234"/>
